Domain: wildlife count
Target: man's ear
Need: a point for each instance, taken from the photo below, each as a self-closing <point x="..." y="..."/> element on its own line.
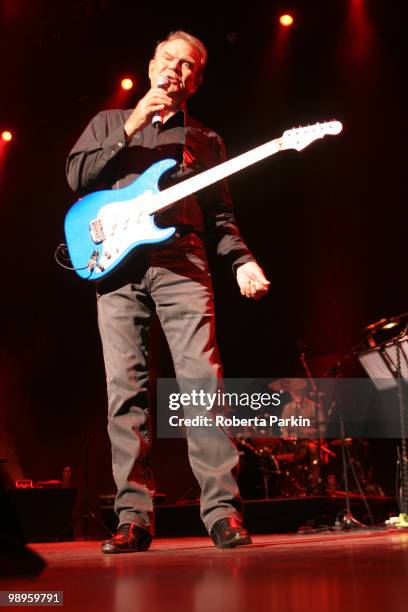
<point x="197" y="82"/>
<point x="151" y="68"/>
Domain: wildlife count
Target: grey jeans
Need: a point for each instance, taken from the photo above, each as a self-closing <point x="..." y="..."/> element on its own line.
<point x="175" y="282"/>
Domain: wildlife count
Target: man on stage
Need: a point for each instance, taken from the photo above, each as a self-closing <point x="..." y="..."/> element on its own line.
<point x="171" y="280"/>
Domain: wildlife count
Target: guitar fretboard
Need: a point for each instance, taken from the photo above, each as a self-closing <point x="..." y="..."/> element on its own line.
<point x="173" y="194"/>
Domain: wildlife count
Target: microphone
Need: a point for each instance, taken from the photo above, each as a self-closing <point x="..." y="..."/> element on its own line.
<point x="157" y="122"/>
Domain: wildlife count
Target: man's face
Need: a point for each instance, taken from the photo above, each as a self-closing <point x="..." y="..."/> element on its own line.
<point x="179" y="62"/>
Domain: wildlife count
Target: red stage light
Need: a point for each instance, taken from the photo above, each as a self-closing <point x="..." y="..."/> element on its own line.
<point x="126" y="84"/>
<point x="6" y="136"/>
<point x="286" y="20"/>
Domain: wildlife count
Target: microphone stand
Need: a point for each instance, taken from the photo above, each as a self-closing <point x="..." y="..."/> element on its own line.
<point x="401" y="521"/>
<point x="348" y="521"/>
<point x="404" y="444"/>
<point x="318" y="410"/>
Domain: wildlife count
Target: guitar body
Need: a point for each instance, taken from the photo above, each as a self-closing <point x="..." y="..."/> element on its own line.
<point x="102" y="228"/>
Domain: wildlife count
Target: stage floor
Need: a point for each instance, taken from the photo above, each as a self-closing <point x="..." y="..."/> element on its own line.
<point x="337" y="572"/>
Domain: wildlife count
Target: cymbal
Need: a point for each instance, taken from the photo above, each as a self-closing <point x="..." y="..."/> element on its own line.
<point x="325" y="449"/>
<point x="270" y="442"/>
<point x="285" y="457"/>
<point x="288" y="384"/>
<point x="340" y="442"/>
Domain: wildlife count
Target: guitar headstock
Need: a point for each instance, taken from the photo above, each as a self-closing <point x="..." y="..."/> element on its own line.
<point x="301" y="137"/>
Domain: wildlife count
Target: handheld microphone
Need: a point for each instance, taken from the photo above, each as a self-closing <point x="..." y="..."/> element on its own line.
<point x="157" y="120"/>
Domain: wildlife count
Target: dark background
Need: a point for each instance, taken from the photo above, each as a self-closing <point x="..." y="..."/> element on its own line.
<point x="327" y="225"/>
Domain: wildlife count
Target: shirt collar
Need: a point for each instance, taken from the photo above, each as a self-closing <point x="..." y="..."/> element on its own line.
<point x="179" y="119"/>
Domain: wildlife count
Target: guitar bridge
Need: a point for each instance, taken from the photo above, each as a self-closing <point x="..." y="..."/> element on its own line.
<point x="96" y="230"/>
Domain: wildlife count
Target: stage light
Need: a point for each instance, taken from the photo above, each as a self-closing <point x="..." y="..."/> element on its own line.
<point x="126" y="84"/>
<point x="286" y="20"/>
<point x="390" y="325"/>
<point x="377" y="333"/>
<point x="6" y="136"/>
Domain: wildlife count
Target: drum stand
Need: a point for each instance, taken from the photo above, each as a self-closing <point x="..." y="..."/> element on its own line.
<point x="267" y="472"/>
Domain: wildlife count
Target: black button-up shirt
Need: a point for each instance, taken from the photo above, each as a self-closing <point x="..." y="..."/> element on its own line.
<point x="103" y="158"/>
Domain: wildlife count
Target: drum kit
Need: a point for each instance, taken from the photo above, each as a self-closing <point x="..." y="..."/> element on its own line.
<point x="276" y="468"/>
<point x="291" y="466"/>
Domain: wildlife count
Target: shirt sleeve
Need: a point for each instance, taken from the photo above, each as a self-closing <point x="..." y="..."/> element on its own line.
<point x="95" y="149"/>
<point x="220" y="220"/>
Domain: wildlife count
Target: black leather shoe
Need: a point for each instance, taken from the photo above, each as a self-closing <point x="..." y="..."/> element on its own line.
<point x="229" y="532"/>
<point x="128" y="538"/>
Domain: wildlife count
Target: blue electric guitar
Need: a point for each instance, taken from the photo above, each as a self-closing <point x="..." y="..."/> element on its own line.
<point x="103" y="227"/>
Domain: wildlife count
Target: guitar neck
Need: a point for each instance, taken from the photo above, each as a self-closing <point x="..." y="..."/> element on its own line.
<point x="168" y="197"/>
